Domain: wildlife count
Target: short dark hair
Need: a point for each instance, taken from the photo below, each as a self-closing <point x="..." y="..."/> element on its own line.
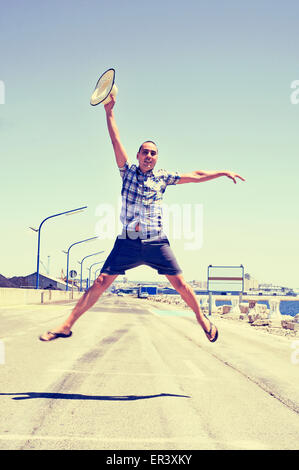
<point x="151" y="141"/>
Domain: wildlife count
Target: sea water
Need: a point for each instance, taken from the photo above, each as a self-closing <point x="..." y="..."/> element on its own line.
<point x="286" y="307"/>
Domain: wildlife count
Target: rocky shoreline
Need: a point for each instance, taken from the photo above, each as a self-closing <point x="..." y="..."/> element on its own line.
<point x="256" y="315"/>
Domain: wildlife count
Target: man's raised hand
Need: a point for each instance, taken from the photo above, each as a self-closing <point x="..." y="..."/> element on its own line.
<point x="233" y="176"/>
<point x="109" y="106"/>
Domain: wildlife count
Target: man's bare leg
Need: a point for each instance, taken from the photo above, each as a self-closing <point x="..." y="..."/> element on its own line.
<point x="188" y="295"/>
<point x="87" y="300"/>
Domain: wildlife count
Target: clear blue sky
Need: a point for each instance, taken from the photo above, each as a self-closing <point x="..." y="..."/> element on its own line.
<point x="209" y="81"/>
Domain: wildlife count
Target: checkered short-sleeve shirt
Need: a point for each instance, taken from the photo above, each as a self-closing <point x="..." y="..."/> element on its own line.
<point x="142" y="195"/>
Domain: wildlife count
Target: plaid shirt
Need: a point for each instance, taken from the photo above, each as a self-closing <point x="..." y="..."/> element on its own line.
<point x="142" y="195"/>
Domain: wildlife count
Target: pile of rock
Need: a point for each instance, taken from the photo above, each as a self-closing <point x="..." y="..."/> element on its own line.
<point x="255" y="314"/>
<point x="260" y="315"/>
<point x="251" y="312"/>
<point x="290" y="323"/>
<point x="168" y="299"/>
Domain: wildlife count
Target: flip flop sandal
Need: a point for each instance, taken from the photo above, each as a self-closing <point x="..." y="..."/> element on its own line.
<point x="209" y="333"/>
<point x="55" y="335"/>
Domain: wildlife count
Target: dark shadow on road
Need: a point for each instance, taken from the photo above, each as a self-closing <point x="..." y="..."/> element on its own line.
<point x="77" y="396"/>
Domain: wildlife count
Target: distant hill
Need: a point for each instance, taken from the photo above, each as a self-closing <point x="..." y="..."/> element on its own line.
<point x="4" y="282"/>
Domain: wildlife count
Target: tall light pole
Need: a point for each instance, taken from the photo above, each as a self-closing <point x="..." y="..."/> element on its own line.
<point x="68" y="257"/>
<point x="79" y="209"/>
<point x="96" y="272"/>
<point x="81" y="262"/>
<point x="99" y="262"/>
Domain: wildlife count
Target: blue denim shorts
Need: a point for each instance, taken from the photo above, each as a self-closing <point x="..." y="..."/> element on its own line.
<point x="131" y="251"/>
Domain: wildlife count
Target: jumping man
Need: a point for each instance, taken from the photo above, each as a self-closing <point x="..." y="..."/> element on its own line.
<point x="142" y="240"/>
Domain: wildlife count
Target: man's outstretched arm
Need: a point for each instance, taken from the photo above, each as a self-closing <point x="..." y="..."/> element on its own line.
<point x="200" y="176"/>
<point x="119" y="151"/>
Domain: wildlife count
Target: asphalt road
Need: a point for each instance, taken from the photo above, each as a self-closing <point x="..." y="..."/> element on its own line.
<point x="136" y="375"/>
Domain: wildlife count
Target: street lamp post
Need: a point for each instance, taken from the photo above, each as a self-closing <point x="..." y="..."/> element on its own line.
<point x="81" y="262"/>
<point x="68" y="257"/>
<point x="96" y="272"/>
<point x="39" y="231"/>
<point x="89" y="277"/>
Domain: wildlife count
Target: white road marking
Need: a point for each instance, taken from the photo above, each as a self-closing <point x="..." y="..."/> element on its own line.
<point x="171" y="313"/>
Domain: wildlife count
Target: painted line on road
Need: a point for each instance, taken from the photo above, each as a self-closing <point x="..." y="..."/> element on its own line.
<point x="171" y="313"/>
